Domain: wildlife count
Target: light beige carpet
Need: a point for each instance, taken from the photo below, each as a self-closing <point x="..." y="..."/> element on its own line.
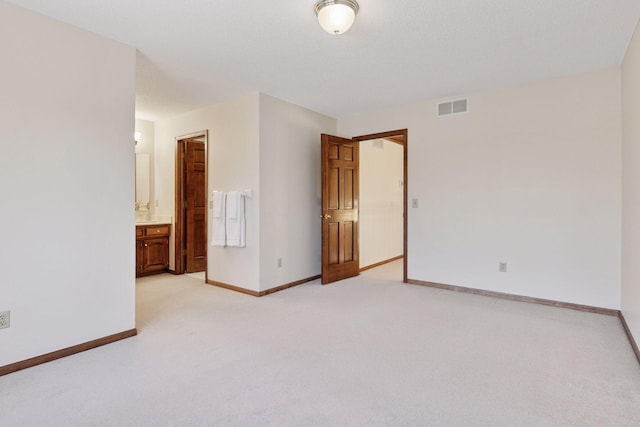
<point x="368" y="351"/>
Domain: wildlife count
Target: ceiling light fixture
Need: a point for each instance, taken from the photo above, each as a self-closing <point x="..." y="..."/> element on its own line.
<point x="336" y="16"/>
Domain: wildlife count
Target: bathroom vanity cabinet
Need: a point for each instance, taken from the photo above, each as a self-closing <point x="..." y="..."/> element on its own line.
<point x="152" y="249"/>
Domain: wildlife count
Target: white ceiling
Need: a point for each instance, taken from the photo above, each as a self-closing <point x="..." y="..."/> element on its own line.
<point x="194" y="53"/>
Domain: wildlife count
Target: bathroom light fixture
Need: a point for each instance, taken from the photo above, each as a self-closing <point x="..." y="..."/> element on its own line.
<point x="336" y="16"/>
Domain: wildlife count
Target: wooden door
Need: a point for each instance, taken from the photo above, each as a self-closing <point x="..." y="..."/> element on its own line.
<point x="339" y="208"/>
<point x="195" y="195"/>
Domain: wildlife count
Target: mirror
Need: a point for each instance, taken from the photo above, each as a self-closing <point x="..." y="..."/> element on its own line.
<point x="143" y="202"/>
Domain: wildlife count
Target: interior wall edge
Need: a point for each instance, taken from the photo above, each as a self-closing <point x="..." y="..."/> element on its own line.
<point x="632" y="340"/>
<point x="264" y="292"/>
<point x="69" y="351"/>
<point x="520" y="298"/>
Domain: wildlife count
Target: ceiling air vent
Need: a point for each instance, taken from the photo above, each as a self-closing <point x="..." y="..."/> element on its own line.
<point x="458" y="106"/>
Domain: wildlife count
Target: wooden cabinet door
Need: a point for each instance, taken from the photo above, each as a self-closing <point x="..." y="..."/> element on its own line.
<point x="156" y="254"/>
<point x="340" y="188"/>
<point x="139" y="256"/>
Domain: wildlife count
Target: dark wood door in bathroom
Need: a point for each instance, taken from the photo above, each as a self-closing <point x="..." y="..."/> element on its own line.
<point x="195" y="195"/>
<point x="191" y="204"/>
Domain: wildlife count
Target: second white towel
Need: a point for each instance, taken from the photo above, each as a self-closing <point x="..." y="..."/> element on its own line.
<point x="235" y="223"/>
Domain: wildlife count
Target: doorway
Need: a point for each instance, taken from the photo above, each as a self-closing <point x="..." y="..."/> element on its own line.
<point x="340" y="203"/>
<point x="381" y="205"/>
<point x="191" y="204"/>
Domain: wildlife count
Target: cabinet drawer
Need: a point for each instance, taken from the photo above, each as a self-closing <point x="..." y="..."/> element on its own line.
<point x="161" y="230"/>
<point x="139" y="231"/>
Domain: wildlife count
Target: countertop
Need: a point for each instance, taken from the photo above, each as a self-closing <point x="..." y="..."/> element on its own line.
<point x="153" y="223"/>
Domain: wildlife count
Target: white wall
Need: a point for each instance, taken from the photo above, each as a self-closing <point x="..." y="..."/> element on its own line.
<point x="530" y="176"/>
<point x="233" y="161"/>
<point x="381" y="196"/>
<point x="272" y="147"/>
<point x="290" y="191"/>
<point x="631" y="186"/>
<point x="66" y="179"/>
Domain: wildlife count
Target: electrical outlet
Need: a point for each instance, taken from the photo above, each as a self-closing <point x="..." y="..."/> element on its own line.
<point x="279" y="262"/>
<point x="5" y="319"/>
<point x="414" y="203"/>
<point x="502" y="267"/>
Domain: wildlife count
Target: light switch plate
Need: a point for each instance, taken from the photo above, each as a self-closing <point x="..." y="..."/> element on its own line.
<point x="5" y="317"/>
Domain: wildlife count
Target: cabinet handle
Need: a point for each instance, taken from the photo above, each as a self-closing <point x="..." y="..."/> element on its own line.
<point x="146" y="246"/>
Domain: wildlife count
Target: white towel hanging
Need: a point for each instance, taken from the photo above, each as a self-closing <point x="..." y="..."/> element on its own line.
<point x="235" y="224"/>
<point x="218" y="226"/>
<point x="233" y="198"/>
<point x="218" y="204"/>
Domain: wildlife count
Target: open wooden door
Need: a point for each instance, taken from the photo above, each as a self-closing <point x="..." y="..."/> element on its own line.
<point x="195" y="194"/>
<point x="339" y="215"/>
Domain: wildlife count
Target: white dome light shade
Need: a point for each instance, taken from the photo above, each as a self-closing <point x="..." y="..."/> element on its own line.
<point x="336" y="16"/>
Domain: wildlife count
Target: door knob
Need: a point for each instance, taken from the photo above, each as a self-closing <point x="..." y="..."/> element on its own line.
<point x="325" y="216"/>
